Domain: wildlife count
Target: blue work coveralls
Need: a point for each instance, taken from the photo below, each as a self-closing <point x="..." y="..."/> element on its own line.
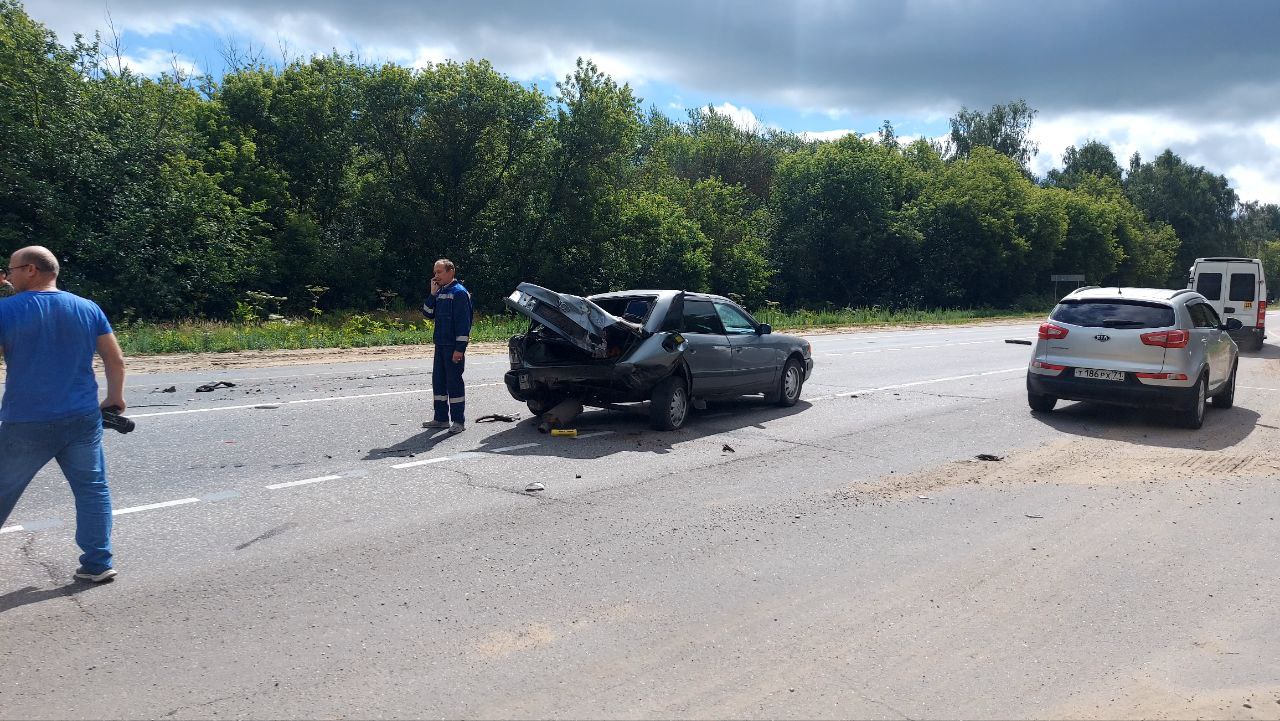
<point x="451" y="310"/>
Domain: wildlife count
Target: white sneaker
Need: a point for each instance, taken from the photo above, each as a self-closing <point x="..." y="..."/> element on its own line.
<point x="436" y="424"/>
<point x="457" y="428"/>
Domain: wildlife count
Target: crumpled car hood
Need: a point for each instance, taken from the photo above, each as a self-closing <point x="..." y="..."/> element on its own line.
<point x="577" y="319"/>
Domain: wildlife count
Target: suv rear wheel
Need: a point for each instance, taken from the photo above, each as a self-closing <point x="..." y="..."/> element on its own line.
<point x="669" y="404"/>
<point x="1041" y="403"/>
<point x="1192" y="414"/>
<point x="1227" y="396"/>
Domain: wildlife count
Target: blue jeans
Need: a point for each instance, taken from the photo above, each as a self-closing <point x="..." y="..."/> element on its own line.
<point x="76" y="443"/>
<point x="446" y="382"/>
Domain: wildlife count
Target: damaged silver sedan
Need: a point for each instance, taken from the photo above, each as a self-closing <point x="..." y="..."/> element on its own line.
<point x="671" y="348"/>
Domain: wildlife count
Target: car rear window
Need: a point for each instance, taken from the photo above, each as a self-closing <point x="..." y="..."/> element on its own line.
<point x="634" y="308"/>
<point x="1243" y="286"/>
<point x="1113" y="314"/>
<point x="1210" y="285"/>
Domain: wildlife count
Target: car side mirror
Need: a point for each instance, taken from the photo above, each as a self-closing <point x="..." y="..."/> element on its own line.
<point x="764" y="329"/>
<point x="1232" y="324"/>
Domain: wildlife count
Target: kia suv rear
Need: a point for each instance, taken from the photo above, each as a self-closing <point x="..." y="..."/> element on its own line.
<point x="1141" y="347"/>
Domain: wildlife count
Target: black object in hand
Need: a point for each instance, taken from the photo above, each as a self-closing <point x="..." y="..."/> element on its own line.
<point x="112" y="419"/>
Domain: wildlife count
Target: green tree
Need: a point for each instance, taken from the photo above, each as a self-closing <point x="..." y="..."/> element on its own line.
<point x="1005" y="129"/>
<point x="1197" y="204"/>
<point x="1093" y="158"/>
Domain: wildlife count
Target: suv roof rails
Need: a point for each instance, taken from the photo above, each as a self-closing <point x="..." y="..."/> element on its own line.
<point x="1083" y="287"/>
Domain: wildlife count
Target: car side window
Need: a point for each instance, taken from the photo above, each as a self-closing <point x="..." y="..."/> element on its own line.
<point x="1211" y="316"/>
<point x="735" y="322"/>
<point x="1202" y="316"/>
<point x="700" y="317"/>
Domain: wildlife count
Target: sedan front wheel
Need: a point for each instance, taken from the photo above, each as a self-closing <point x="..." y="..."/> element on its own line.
<point x="790" y="383"/>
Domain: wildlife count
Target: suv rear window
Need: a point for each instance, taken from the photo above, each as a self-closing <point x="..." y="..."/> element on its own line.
<point x="1243" y="286"/>
<point x="1113" y="314"/>
<point x="1210" y="285"/>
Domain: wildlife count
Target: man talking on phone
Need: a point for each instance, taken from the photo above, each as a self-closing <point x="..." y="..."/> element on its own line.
<point x="449" y="305"/>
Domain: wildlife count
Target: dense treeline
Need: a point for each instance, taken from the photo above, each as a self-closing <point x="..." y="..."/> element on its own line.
<point x="336" y="182"/>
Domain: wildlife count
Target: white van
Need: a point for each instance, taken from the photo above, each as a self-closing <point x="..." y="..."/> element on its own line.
<point x="1236" y="288"/>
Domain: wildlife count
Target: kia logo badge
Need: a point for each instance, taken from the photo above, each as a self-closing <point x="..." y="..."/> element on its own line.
<point x="1102" y="337"/>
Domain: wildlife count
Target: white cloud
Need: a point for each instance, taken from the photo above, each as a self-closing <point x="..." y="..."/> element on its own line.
<point x="741" y="117"/>
<point x="153" y="62"/>
<point x="1248" y="153"/>
<point x="826" y="134"/>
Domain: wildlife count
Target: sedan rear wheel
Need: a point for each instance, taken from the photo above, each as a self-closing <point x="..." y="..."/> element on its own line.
<point x="669" y="404"/>
<point x="1192" y="415"/>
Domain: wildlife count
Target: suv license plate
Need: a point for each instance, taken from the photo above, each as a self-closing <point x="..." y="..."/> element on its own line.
<point x="1099" y="375"/>
<point x="524" y="381"/>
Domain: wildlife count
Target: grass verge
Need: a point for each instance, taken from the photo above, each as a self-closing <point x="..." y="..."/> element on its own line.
<point x="362" y="330"/>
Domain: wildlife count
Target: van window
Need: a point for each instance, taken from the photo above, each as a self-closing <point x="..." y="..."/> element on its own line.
<point x="1113" y="314"/>
<point x="1210" y="285"/>
<point x="700" y="317"/>
<point x="1243" y="286"/>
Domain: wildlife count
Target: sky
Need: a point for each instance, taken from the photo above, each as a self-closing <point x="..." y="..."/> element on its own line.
<point x="1202" y="79"/>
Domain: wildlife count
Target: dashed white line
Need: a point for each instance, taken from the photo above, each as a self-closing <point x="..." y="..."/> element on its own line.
<point x="153" y="506"/>
<point x="504" y="449"/>
<point x="913" y="347"/>
<point x="914" y="383"/>
<point x="423" y="462"/>
<point x="298" y="402"/>
<point x="303" y="482"/>
<point x="1256" y="388"/>
<point x="592" y="435"/>
<point x="10" y="529"/>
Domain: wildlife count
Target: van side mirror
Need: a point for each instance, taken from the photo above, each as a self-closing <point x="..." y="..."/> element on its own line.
<point x="764" y="329"/>
<point x="1232" y="324"/>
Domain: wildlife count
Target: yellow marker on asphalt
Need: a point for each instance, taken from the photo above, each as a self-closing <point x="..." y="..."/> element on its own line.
<point x="570" y="432"/>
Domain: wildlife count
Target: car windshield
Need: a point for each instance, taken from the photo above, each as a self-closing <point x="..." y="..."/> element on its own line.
<point x="1113" y="314"/>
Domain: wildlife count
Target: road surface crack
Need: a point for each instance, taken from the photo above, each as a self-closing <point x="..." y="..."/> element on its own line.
<point x="54" y="573"/>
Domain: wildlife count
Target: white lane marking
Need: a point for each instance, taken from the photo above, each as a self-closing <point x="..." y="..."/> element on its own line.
<point x="10" y="529"/>
<point x="914" y="383"/>
<point x="298" y="402"/>
<point x="153" y="506"/>
<point x="593" y="435"/>
<point x="1256" y="388"/>
<point x="913" y="347"/>
<point x="303" y="482"/>
<point x="423" y="462"/>
<point x="504" y="449"/>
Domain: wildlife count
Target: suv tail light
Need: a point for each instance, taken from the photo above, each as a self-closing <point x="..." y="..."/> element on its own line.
<point x="1163" y="376"/>
<point x="1047" y="366"/>
<point x="1262" y="313"/>
<point x="1049" y="331"/>
<point x="1167" y="338"/>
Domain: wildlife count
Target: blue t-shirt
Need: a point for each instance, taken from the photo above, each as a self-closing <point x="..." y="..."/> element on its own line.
<point x="49" y="339"/>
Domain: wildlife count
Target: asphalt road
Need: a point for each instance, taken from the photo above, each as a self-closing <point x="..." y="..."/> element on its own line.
<point x="297" y="546"/>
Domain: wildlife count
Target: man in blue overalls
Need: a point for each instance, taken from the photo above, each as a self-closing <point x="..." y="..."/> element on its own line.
<point x="449" y="305"/>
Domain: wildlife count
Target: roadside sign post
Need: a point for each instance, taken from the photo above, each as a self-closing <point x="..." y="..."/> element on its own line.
<point x="1077" y="278"/>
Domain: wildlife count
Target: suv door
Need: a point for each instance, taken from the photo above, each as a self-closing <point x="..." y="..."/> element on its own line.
<point x="755" y="361"/>
<point x="709" y="354"/>
<point x="1210" y="340"/>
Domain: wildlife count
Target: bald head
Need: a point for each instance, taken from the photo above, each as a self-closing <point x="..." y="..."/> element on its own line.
<point x="37" y="255"/>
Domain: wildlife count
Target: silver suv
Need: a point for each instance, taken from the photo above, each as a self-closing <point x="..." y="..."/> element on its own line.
<point x="1135" y="346"/>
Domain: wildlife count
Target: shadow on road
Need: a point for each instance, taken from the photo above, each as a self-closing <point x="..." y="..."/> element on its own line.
<point x="628" y="430"/>
<point x="31" y="594"/>
<point x="1151" y="427"/>
<point x="1267" y="351"/>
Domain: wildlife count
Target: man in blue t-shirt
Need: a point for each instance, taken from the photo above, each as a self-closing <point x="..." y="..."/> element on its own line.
<point x="50" y="408"/>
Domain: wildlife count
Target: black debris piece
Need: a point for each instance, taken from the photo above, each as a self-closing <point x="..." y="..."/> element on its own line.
<point x="504" y="417"/>
<point x="988" y="457"/>
<point x="728" y="449"/>
<point x="170" y="389"/>
<point x="207" y="387"/>
<point x="1017" y="341"/>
